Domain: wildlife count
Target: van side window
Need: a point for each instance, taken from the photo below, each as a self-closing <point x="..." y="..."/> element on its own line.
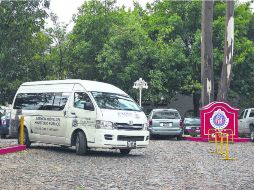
<point x="81" y="100"/>
<point x="48" y="101"/>
<point x="29" y="101"/>
<point x="60" y="101"/>
<point x="40" y="101"/>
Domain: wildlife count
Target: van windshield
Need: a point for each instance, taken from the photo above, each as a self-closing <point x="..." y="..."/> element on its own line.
<point x="107" y="100"/>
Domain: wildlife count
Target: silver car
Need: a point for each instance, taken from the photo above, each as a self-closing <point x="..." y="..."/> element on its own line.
<point x="165" y="122"/>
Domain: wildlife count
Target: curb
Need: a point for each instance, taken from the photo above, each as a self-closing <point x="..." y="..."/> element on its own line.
<point x="199" y="139"/>
<point x="12" y="149"/>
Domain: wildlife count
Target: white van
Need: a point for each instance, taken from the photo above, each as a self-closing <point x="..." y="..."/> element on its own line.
<point x="81" y="113"/>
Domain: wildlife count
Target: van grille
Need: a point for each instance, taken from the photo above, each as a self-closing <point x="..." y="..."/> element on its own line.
<point x="126" y="126"/>
<point x="130" y="138"/>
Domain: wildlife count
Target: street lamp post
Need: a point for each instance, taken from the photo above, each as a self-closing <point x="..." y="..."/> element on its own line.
<point x="140" y="84"/>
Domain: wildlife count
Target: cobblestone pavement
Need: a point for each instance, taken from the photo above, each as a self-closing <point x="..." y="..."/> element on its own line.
<point x="166" y="164"/>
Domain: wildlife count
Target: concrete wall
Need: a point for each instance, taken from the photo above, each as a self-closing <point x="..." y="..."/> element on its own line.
<point x="182" y="103"/>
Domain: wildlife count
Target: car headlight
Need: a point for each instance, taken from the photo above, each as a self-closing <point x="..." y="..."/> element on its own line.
<point x="104" y="124"/>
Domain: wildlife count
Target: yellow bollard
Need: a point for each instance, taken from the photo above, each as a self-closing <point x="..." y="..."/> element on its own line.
<point x="216" y="143"/>
<point x="226" y="153"/>
<point x="22" y="130"/>
<point x="221" y="143"/>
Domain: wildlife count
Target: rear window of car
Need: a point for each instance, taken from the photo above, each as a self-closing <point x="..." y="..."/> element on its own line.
<point x="165" y="114"/>
<point x="192" y="121"/>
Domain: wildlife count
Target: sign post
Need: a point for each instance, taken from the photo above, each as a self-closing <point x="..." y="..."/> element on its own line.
<point x="140" y="84"/>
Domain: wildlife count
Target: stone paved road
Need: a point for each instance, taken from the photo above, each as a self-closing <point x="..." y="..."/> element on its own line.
<point x="165" y="164"/>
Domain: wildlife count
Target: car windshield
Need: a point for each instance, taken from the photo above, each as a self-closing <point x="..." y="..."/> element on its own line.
<point x="107" y="100"/>
<point x="166" y="114"/>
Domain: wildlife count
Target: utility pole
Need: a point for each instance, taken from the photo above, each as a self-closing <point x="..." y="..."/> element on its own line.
<point x="226" y="73"/>
<point x="207" y="79"/>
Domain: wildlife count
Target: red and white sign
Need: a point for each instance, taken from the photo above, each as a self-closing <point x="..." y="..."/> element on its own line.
<point x="218" y="116"/>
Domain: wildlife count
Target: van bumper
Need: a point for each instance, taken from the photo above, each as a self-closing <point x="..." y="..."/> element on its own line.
<point x="116" y="139"/>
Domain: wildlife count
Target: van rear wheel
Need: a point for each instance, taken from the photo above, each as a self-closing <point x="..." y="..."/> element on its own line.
<point x="125" y="151"/>
<point x="81" y="143"/>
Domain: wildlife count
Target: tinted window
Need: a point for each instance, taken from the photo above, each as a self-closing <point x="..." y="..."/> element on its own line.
<point x="48" y="101"/>
<point x="166" y="114"/>
<point x="81" y="99"/>
<point x="241" y="115"/>
<point x="40" y="101"/>
<point x="191" y="121"/>
<point x="245" y="114"/>
<point x="31" y="101"/>
<point x="115" y="101"/>
<point x="59" y="101"/>
<point x="251" y="113"/>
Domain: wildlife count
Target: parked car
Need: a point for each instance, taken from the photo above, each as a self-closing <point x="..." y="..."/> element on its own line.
<point x="191" y="126"/>
<point x="246" y="123"/>
<point x="4" y="125"/>
<point x="165" y="122"/>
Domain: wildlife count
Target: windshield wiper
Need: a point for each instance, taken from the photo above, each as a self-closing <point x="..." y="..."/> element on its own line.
<point x="129" y="109"/>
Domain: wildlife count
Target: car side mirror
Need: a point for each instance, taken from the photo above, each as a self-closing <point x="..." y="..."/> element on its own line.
<point x="88" y="106"/>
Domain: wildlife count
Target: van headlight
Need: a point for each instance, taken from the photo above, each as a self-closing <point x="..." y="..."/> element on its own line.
<point x="104" y="124"/>
<point x="145" y="126"/>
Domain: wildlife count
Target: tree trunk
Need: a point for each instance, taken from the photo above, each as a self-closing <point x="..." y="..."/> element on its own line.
<point x="196" y="98"/>
<point x="207" y="79"/>
<point x="226" y="73"/>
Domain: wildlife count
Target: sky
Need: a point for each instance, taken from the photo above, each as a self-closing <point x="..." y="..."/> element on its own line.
<point x="64" y="9"/>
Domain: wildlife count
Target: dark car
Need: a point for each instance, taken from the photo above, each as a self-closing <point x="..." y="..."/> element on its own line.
<point x="191" y="126"/>
<point x="4" y="125"/>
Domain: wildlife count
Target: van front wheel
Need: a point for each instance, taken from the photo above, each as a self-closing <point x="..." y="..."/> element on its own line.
<point x="125" y="151"/>
<point x="81" y="143"/>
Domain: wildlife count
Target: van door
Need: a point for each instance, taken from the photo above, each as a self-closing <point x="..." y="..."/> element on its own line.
<point x="50" y="120"/>
<point x="83" y="114"/>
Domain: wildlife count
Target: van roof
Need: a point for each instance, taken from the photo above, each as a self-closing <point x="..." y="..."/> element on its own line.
<point x="87" y="84"/>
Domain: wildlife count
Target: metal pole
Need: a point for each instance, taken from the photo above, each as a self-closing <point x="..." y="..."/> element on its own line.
<point x="140" y="95"/>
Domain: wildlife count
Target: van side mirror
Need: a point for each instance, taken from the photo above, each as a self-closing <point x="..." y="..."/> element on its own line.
<point x="88" y="106"/>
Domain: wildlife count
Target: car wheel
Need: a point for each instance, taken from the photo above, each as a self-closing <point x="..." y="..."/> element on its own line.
<point x="3" y="136"/>
<point x="81" y="143"/>
<point x="125" y="151"/>
<point x="26" y="141"/>
<point x="179" y="137"/>
<point x="252" y="135"/>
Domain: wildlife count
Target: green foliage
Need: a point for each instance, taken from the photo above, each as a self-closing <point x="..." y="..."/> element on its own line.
<point x="19" y="22"/>
<point x="113" y="44"/>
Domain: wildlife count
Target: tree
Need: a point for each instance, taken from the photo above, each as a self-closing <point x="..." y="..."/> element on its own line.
<point x="19" y="21"/>
<point x="226" y="73"/>
<point x="59" y="47"/>
<point x="170" y="20"/>
<point x="91" y="31"/>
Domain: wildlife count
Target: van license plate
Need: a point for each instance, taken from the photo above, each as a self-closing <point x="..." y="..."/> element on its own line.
<point x="131" y="144"/>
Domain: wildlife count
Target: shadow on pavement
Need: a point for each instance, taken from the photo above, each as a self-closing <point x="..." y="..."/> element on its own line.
<point x="90" y="153"/>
